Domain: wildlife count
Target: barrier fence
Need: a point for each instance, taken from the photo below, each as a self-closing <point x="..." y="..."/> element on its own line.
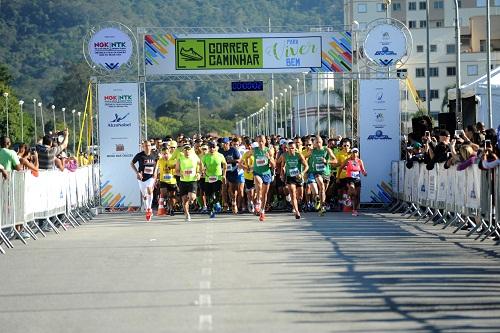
<point x="467" y="199"/>
<point x="53" y="199"/>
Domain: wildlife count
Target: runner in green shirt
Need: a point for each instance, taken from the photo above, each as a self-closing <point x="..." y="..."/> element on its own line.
<point x="320" y="162"/>
<point x="189" y="168"/>
<point x="264" y="161"/>
<point x="294" y="168"/>
<point x="215" y="166"/>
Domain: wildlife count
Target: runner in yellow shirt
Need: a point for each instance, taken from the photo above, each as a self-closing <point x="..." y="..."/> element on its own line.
<point x="246" y="164"/>
<point x="189" y="168"/>
<point x="168" y="183"/>
<point x="342" y="156"/>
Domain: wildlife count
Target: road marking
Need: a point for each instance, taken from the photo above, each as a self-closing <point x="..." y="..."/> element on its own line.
<point x="205" y="285"/>
<point x="208" y="261"/>
<point x="205" y="300"/>
<point x="205" y="323"/>
<point x="206" y="271"/>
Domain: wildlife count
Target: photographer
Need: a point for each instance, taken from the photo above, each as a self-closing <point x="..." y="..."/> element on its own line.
<point x="489" y="158"/>
<point x="414" y="154"/>
<point x="47" y="153"/>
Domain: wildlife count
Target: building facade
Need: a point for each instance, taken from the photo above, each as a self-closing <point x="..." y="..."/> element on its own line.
<point x="442" y="50"/>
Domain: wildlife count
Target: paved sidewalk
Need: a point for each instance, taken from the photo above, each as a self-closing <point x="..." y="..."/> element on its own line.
<point x="336" y="273"/>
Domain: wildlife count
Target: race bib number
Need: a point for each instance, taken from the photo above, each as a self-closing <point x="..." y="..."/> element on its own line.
<point x="355" y="174"/>
<point x="188" y="172"/>
<point x="320" y="167"/>
<point x="294" y="172"/>
<point x="230" y="167"/>
<point x="149" y="170"/>
<point x="261" y="161"/>
<point x="212" y="179"/>
<point x="167" y="177"/>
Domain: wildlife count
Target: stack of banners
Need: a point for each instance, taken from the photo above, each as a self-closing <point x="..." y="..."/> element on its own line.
<point x="379" y="117"/>
<point x="247" y="53"/>
<point x="119" y="134"/>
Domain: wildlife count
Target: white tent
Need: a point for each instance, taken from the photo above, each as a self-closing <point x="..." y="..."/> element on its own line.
<point x="479" y="89"/>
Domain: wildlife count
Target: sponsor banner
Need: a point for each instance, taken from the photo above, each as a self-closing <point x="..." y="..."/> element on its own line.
<point x="110" y="48"/>
<point x="247" y="53"/>
<point x="119" y="136"/>
<point x="379" y="132"/>
<point x="385" y="45"/>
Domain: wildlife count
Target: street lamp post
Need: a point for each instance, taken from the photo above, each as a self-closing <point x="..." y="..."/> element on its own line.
<point x="6" y="96"/>
<point x="64" y="117"/>
<point x="268" y="131"/>
<point x="281" y="111"/>
<point x="284" y="113"/>
<point x="291" y="110"/>
<point x="199" y="118"/>
<point x="53" y="107"/>
<point x="458" y="77"/>
<point x="328" y="103"/>
<point x="41" y="117"/>
<point x="34" y="114"/>
<point x="297" y="121"/>
<point x="305" y="104"/>
<point x="276" y="115"/>
<point x="74" y="131"/>
<point x="21" y="102"/>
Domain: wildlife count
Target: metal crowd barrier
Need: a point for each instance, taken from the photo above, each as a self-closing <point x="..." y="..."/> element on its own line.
<point x="468" y="199"/>
<point x="52" y="200"/>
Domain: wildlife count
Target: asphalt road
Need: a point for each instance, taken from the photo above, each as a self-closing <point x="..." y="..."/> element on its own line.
<point x="336" y="273"/>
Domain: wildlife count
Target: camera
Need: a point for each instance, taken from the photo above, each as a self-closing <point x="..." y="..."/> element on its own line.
<point x="58" y="137"/>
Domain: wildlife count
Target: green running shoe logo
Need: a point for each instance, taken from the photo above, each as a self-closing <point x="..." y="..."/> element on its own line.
<point x="190" y="55"/>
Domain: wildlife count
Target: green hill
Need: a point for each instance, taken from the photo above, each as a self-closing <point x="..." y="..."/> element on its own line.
<point x="42" y="45"/>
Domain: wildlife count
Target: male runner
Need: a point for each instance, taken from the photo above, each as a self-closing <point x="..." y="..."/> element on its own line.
<point x="146" y="175"/>
<point x="234" y="182"/>
<point x="320" y="160"/>
<point x="247" y="163"/>
<point x="189" y="169"/>
<point x="215" y="166"/>
<point x="294" y="167"/>
<point x="166" y="176"/>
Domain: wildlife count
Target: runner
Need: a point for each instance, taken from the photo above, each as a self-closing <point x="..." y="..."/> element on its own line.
<point x="146" y="175"/>
<point x="264" y="161"/>
<point x="215" y="166"/>
<point x="294" y="167"/>
<point x="354" y="166"/>
<point x="322" y="158"/>
<point x="201" y="197"/>
<point x="342" y="156"/>
<point x="189" y="168"/>
<point x="246" y="164"/>
<point x="166" y="176"/>
<point x="234" y="181"/>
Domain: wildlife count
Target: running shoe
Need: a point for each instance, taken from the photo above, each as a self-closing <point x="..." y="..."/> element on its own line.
<point x="172" y="213"/>
<point x="187" y="218"/>
<point x="149" y="214"/>
<point x="204" y="210"/>
<point x="297" y="216"/>
<point x="354" y="213"/>
<point x="212" y="214"/>
<point x="251" y="207"/>
<point x="317" y="205"/>
<point x="257" y="207"/>
<point x="322" y="211"/>
<point x="262" y="217"/>
<point x="217" y="207"/>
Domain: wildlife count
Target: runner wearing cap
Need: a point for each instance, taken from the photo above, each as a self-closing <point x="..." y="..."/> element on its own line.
<point x="246" y="164"/>
<point x="201" y="197"/>
<point x="264" y="161"/>
<point x="168" y="183"/>
<point x="294" y="167"/>
<point x="214" y="166"/>
<point x="234" y="181"/>
<point x="342" y="156"/>
<point x="354" y="168"/>
<point x="189" y="168"/>
<point x="320" y="162"/>
<point x="146" y="175"/>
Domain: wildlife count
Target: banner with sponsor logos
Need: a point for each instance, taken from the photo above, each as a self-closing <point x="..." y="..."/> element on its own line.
<point x="247" y="53"/>
<point x="379" y="131"/>
<point x="119" y="137"/>
<point x="110" y="48"/>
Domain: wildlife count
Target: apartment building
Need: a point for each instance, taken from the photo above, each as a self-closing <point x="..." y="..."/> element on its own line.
<point x="442" y="72"/>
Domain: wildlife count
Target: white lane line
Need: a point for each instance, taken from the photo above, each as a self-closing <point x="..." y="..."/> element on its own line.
<point x="208" y="261"/>
<point x="205" y="300"/>
<point x="205" y="285"/>
<point x="206" y="271"/>
<point x="205" y="323"/>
